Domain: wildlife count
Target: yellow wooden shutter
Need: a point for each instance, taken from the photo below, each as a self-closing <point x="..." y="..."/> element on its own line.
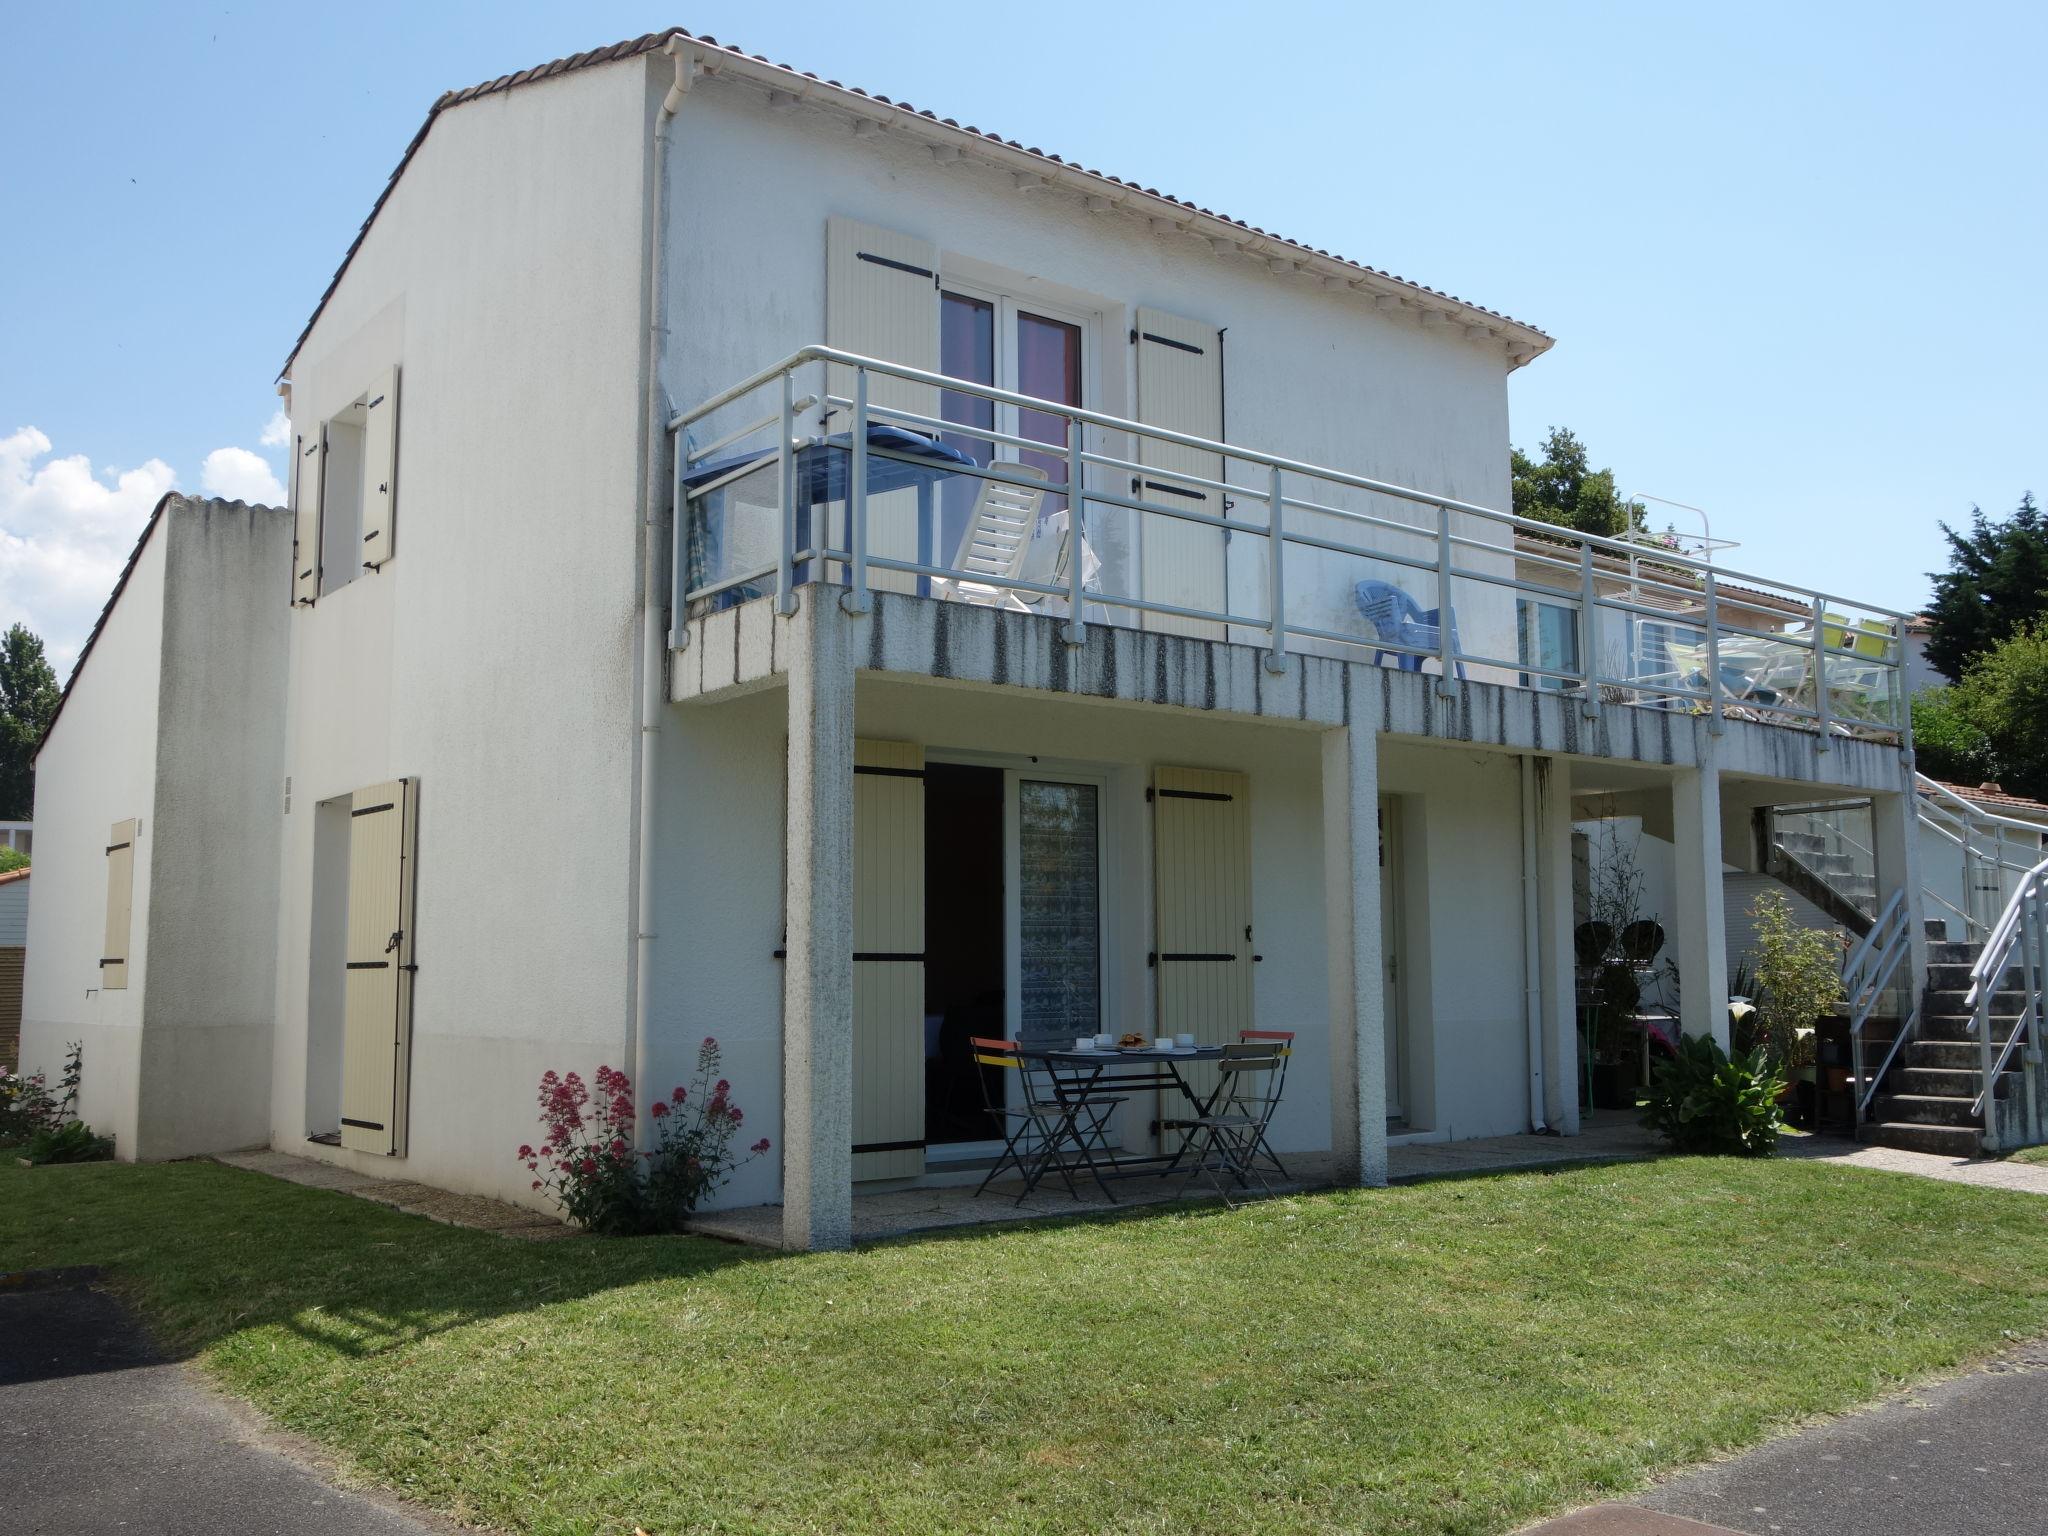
<point x="377" y="1027"/>
<point x="380" y="469"/>
<point x="1202" y="867"/>
<point x="888" y="959"/>
<point x="307" y="473"/>
<point x="1180" y="387"/>
<point x="882" y="301"/>
<point x="120" y="903"/>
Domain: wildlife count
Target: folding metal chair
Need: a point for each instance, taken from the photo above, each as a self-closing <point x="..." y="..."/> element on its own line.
<point x="1230" y="1127"/>
<point x="1281" y="1042"/>
<point x="1037" y="1112"/>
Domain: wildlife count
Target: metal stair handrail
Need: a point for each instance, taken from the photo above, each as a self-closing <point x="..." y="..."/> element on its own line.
<point x="1980" y="835"/>
<point x="1867" y="974"/>
<point x="2019" y="928"/>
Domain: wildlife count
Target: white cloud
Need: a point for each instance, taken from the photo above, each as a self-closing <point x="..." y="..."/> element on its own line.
<point x="277" y="432"/>
<point x="65" y="533"/>
<point x="239" y="475"/>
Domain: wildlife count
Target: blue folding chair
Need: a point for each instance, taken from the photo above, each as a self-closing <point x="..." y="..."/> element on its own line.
<point x="1398" y="619"/>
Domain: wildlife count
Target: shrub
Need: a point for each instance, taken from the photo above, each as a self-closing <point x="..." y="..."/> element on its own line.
<point x="587" y="1164"/>
<point x="1798" y="978"/>
<point x="33" y="1118"/>
<point x="71" y="1142"/>
<point x="1704" y="1100"/>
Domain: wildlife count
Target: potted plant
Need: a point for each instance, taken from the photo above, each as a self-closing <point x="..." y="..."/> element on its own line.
<point x="1798" y="980"/>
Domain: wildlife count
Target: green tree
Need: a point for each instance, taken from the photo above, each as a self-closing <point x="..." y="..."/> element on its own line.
<point x="28" y="700"/>
<point x="1948" y="742"/>
<point x="1996" y="581"/>
<point x="12" y="859"/>
<point x="1566" y="490"/>
<point x="2004" y="694"/>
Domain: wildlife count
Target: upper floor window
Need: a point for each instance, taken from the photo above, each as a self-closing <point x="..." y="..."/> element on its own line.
<point x="344" y="492"/>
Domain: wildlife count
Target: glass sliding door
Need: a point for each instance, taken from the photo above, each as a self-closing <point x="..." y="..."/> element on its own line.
<point x="967" y="350"/>
<point x="1049" y="367"/>
<point x="1059" y="910"/>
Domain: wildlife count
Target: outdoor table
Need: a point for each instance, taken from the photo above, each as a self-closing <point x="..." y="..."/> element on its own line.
<point x="1110" y="1072"/>
<point x="898" y="459"/>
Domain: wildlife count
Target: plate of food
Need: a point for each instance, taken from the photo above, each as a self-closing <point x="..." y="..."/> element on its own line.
<point x="1133" y="1042"/>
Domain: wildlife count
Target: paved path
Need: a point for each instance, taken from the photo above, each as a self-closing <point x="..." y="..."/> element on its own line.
<point x="1961" y="1457"/>
<point x="443" y="1205"/>
<point x="2028" y="1178"/>
<point x="98" y="1435"/>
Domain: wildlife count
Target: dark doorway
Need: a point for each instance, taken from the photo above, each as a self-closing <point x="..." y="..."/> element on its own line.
<point x="963" y="945"/>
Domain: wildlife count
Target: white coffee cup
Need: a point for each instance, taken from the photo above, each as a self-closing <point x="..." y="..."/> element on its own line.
<point x="1085" y="1043"/>
<point x="1184" y="1041"/>
<point x="1105" y="1041"/>
<point x="1163" y="1043"/>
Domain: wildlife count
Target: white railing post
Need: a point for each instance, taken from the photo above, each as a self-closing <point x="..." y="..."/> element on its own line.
<point x="1714" y="723"/>
<point x="1987" y="1056"/>
<point x="1076" y="632"/>
<point x="1443" y="601"/>
<point x="1276" y="575"/>
<point x="2029" y="1015"/>
<point x="1820" y="672"/>
<point x="785" y="470"/>
<point x="855" y="598"/>
<point x="1969" y="891"/>
<point x="1589" y="632"/>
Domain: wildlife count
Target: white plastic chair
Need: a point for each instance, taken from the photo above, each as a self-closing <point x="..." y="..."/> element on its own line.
<point x="997" y="539"/>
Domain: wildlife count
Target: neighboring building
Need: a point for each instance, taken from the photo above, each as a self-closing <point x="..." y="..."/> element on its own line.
<point x="18" y="835"/>
<point x="844" y="822"/>
<point x="1920" y="672"/>
<point x="158" y="783"/>
<point x="13" y="962"/>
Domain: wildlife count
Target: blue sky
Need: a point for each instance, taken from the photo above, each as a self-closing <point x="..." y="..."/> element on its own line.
<point x="1793" y="256"/>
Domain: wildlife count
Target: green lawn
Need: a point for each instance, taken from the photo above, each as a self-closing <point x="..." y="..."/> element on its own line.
<point x="1452" y="1357"/>
<point x="2028" y="1155"/>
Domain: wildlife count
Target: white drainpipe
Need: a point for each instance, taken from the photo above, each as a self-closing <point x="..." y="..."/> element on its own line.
<point x="1532" y="945"/>
<point x="654" y="596"/>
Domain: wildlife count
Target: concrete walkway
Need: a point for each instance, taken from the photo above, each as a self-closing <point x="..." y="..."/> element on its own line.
<point x="1960" y="1457"/>
<point x="98" y="1435"/>
<point x="1987" y="1173"/>
<point x="404" y="1195"/>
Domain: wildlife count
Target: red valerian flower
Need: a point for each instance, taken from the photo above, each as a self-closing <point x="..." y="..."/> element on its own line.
<point x="679" y="1095"/>
<point x="526" y="1151"/>
<point x="618" y="1147"/>
<point x="588" y="1165"/>
<point x="536" y="1183"/>
<point x="658" y="1109"/>
<point x="759" y="1146"/>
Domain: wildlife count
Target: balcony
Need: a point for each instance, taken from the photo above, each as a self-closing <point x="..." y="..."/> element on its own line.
<point x="871" y="477"/>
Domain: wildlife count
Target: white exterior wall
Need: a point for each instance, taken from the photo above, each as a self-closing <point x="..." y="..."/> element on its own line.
<point x="1316" y="375"/>
<point x="98" y="766"/>
<point x="493" y="657"/>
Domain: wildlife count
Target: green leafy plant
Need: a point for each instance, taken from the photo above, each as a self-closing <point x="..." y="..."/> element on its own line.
<point x="1798" y="978"/>
<point x="1703" y="1100"/>
<point x="12" y="859"/>
<point x="71" y="1142"/>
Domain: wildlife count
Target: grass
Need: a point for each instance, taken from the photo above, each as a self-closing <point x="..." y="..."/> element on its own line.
<point x="1451" y="1357"/>
<point x="2028" y="1155"/>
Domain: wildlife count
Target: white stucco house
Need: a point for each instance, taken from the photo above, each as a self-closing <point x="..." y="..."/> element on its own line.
<point x="685" y="458"/>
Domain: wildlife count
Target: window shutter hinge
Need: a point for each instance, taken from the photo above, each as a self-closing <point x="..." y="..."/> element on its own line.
<point x="1152" y="959"/>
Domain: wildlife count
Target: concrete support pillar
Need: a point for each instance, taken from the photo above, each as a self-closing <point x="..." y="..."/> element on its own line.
<point x="1700" y="923"/>
<point x="1559" y="972"/>
<point x="1351" y="878"/>
<point x="817" y="1001"/>
<point x="1895" y="824"/>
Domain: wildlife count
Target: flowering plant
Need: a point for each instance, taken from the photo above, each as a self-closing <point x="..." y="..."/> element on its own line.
<point x="27" y="1105"/>
<point x="587" y="1163"/>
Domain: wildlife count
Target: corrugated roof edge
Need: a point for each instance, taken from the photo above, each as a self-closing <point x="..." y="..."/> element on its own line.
<point x="1539" y="340"/>
<point x="156" y="514"/>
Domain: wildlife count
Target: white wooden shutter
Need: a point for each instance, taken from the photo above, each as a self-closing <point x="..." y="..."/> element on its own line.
<point x="1202" y="896"/>
<point x="888" y="959"/>
<point x="309" y="460"/>
<point x="380" y="469"/>
<point x="1180" y="387"/>
<point x="377" y="1021"/>
<point x="120" y="903"/>
<point x="882" y="301"/>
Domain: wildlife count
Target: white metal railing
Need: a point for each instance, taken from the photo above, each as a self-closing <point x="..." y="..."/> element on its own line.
<point x="1870" y="972"/>
<point x="2015" y="944"/>
<point x="1834" y="668"/>
<point x="1992" y="855"/>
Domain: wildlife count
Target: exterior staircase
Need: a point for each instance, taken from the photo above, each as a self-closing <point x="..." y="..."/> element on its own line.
<point x="1924" y="1103"/>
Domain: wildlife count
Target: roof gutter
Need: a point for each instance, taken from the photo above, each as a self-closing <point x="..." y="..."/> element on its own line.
<point x="654" y="596"/>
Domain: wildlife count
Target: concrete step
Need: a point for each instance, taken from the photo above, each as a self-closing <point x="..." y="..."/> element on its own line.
<point x="1956" y="1026"/>
<point x="1936" y="929"/>
<point x="1947" y="1082"/>
<point x="1947" y="1055"/>
<point x="1922" y="1109"/>
<point x="1946" y="976"/>
<point x="1941" y="1140"/>
<point x="1948" y="953"/>
<point x="1954" y="1002"/>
